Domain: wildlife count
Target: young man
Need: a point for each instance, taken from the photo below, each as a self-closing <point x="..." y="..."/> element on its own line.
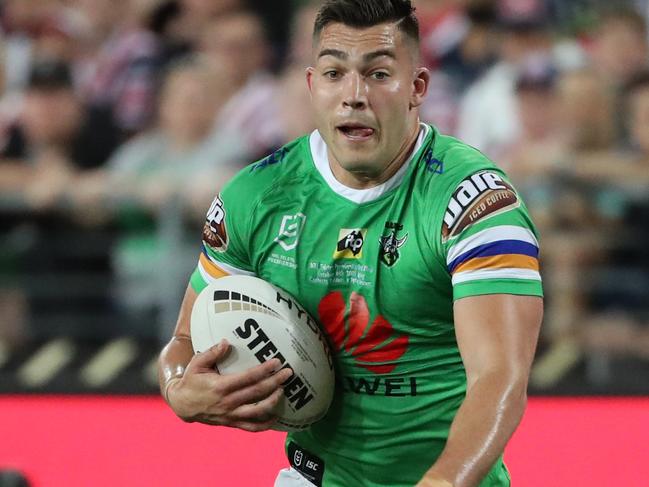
<point x="412" y="250"/>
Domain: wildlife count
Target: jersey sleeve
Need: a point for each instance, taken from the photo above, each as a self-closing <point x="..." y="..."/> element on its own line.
<point x="489" y="242"/>
<point x="223" y="248"/>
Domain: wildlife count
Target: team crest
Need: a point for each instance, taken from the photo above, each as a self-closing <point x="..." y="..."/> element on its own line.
<point x="391" y="243"/>
<point x="215" y="234"/>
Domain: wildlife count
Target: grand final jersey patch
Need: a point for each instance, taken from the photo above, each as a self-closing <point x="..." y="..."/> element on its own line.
<point x="477" y="197"/>
<point x="215" y="234"/>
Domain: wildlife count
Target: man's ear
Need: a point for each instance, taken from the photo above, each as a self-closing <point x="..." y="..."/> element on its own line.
<point x="309" y="78"/>
<point x="420" y="87"/>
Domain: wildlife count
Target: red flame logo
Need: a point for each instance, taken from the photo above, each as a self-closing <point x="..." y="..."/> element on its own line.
<point x="370" y="345"/>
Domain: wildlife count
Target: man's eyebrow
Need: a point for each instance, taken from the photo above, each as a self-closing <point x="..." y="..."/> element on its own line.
<point x="333" y="52"/>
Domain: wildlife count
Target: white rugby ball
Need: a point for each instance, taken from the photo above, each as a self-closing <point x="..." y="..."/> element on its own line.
<point x="261" y="322"/>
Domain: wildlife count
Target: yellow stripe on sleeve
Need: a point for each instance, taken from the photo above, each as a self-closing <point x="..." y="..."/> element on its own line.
<point x="502" y="261"/>
<point x="210" y="267"/>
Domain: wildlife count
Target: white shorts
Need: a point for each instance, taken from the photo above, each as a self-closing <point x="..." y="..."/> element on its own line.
<point x="289" y="477"/>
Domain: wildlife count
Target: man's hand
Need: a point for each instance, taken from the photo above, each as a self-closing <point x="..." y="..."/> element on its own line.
<point x="243" y="400"/>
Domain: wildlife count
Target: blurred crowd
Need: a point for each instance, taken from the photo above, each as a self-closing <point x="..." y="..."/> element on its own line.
<point x="120" y="119"/>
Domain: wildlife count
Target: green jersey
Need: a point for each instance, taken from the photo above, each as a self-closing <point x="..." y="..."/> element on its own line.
<point x="379" y="269"/>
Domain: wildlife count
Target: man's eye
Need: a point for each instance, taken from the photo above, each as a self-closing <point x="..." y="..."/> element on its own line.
<point x="380" y="75"/>
<point x="331" y="74"/>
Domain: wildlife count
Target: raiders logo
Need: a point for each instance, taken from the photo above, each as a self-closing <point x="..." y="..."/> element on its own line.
<point x="479" y="196"/>
<point x="391" y="243"/>
<point x="215" y="234"/>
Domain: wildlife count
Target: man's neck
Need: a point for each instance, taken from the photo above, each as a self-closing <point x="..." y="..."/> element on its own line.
<point x="366" y="180"/>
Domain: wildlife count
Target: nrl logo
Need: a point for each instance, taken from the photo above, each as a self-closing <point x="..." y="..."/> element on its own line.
<point x="390" y="244"/>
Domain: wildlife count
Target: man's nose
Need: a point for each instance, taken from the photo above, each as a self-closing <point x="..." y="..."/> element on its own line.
<point x="355" y="96"/>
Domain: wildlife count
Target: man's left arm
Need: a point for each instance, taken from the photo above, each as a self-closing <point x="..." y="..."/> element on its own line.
<point x="497" y="337"/>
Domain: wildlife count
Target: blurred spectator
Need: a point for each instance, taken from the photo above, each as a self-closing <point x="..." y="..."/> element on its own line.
<point x="291" y="101"/>
<point x="54" y="138"/>
<point x="459" y="38"/>
<point x="170" y="172"/>
<point x="620" y="51"/>
<point x="198" y="14"/>
<point x="619" y="324"/>
<point x="236" y="44"/>
<point x="488" y="117"/>
<point x="300" y="49"/>
<point x="179" y="158"/>
<point x="120" y="69"/>
<point x="586" y="107"/>
<point x="21" y="21"/>
<point x="541" y="145"/>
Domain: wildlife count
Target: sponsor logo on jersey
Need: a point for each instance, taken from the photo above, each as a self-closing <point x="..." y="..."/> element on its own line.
<point x="215" y="234"/>
<point x="275" y="158"/>
<point x="350" y="243"/>
<point x="290" y="231"/>
<point x="374" y="345"/>
<point x="484" y="194"/>
<point x="433" y="165"/>
<point x="391" y="243"/>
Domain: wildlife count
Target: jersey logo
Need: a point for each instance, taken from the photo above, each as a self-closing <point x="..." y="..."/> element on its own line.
<point x="373" y="346"/>
<point x="350" y="243"/>
<point x="391" y="243"/>
<point x="479" y="196"/>
<point x="215" y="234"/>
<point x="290" y="231"/>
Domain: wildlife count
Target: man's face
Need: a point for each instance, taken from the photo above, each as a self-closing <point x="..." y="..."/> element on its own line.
<point x="365" y="89"/>
<point x="236" y="43"/>
<point x="51" y="116"/>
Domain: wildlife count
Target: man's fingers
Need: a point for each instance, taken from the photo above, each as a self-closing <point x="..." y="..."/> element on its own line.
<point x="253" y="427"/>
<point x="233" y="382"/>
<point x="260" y="390"/>
<point x="260" y="411"/>
<point x="209" y="358"/>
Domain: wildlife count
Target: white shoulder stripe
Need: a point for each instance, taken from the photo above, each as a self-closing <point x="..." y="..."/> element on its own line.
<point x="483" y="274"/>
<point x="493" y="234"/>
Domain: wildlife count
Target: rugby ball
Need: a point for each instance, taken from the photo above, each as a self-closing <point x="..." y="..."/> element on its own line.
<point x="261" y="322"/>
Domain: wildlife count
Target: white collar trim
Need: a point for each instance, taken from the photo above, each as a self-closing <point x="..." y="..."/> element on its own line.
<point x="321" y="160"/>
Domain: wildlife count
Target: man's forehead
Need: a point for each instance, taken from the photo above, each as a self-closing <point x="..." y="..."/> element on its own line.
<point x="351" y="40"/>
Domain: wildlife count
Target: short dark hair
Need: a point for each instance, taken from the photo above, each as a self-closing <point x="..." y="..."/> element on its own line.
<point x="368" y="13"/>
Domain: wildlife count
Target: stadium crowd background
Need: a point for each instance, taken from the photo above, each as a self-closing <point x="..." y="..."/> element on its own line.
<point x="120" y="120"/>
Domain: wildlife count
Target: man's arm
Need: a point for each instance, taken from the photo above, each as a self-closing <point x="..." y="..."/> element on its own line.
<point x="197" y="392"/>
<point x="497" y="337"/>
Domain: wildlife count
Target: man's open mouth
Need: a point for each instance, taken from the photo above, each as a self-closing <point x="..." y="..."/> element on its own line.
<point x="356" y="131"/>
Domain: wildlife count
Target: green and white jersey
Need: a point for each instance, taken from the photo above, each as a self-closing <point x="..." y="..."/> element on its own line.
<point x="380" y="269"/>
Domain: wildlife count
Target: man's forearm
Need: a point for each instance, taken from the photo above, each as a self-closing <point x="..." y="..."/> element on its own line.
<point x="487" y="418"/>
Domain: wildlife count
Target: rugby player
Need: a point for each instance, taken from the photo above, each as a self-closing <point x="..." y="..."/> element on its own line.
<point x="413" y="251"/>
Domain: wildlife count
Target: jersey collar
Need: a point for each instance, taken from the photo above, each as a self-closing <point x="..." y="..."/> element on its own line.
<point x="321" y="161"/>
